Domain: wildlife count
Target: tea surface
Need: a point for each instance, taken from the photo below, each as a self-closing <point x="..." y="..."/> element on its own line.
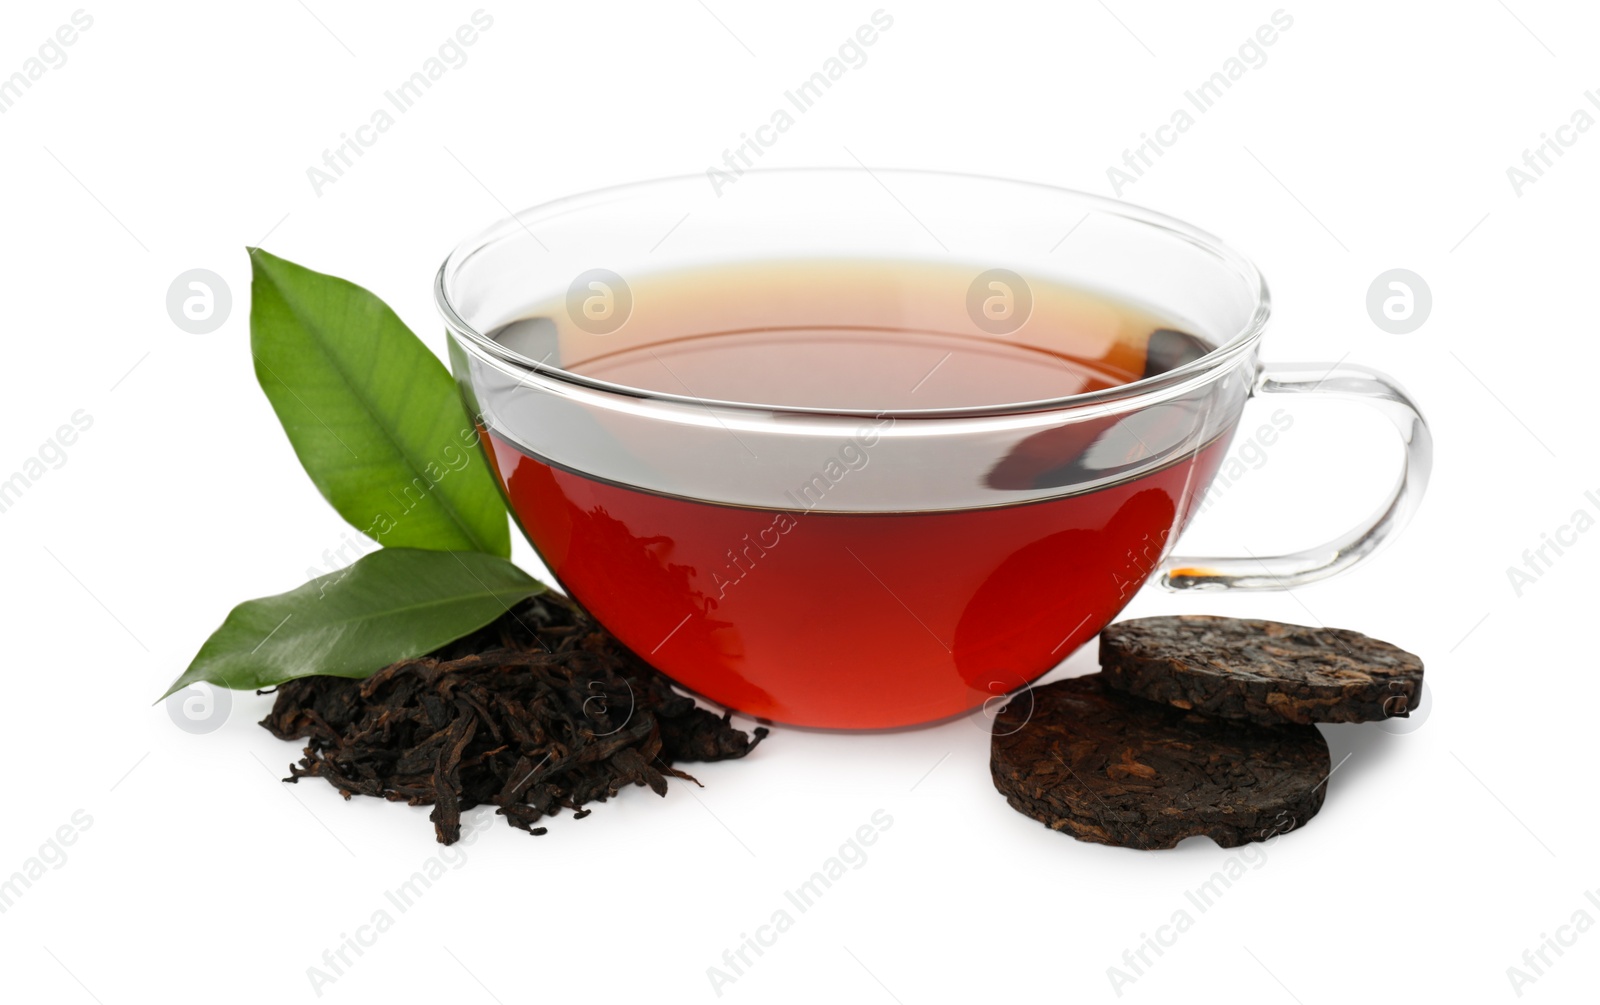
<point x="863" y="335"/>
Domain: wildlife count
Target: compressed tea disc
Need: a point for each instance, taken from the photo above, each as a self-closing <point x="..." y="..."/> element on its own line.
<point x="1105" y="767"/>
<point x="1262" y="671"/>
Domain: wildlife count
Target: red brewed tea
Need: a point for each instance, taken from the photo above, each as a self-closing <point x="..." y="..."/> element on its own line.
<point x="903" y="615"/>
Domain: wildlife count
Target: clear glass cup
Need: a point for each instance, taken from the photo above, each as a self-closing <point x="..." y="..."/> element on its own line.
<point x="871" y="567"/>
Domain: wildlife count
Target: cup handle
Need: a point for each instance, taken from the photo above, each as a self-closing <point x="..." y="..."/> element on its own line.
<point x="1281" y="572"/>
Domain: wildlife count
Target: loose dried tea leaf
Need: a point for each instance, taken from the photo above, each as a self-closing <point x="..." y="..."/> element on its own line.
<point x="1104" y="767"/>
<point x="542" y="709"/>
<point x="1262" y="671"/>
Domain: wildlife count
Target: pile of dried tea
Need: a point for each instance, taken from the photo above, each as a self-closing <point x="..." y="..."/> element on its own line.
<point x="1195" y="725"/>
<point x="541" y="709"/>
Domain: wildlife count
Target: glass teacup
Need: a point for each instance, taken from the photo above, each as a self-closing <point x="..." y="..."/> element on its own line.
<point x="701" y="410"/>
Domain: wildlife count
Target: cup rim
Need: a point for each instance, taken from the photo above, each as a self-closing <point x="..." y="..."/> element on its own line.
<point x="1219" y="358"/>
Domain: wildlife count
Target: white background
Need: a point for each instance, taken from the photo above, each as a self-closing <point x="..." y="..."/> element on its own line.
<point x="1375" y="136"/>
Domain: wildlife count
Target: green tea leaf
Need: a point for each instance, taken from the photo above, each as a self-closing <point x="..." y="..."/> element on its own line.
<point x="393" y="604"/>
<point x="373" y="415"/>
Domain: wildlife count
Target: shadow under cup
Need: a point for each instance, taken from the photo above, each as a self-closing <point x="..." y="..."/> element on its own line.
<point x="825" y="564"/>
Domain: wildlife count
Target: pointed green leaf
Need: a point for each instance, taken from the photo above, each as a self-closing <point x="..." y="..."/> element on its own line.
<point x="393" y="604"/>
<point x="373" y="415"/>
